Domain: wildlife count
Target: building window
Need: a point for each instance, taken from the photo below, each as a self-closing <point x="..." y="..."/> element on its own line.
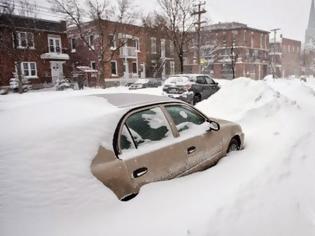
<point x="89" y="40"/>
<point x="261" y="40"/>
<point x="137" y="44"/>
<point x="252" y="40"/>
<point x="54" y="43"/>
<point x="172" y="67"/>
<point x="114" y="68"/>
<point x="25" y="40"/>
<point x="171" y="48"/>
<point x="93" y="65"/>
<point x="73" y="44"/>
<point x="29" y="69"/>
<point x="112" y="42"/>
<point x="153" y="45"/>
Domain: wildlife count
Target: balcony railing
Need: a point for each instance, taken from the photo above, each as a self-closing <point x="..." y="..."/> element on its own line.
<point x="128" y="52"/>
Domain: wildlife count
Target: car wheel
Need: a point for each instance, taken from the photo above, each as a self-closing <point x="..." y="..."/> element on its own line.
<point x="233" y="146"/>
<point x="197" y="98"/>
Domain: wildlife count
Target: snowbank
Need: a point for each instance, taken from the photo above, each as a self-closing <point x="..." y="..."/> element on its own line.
<point x="46" y="187"/>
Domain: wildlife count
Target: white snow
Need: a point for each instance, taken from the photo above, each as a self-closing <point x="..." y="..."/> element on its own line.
<point x="46" y="187"/>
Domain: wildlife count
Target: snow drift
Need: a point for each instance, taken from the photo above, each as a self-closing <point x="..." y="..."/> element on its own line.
<point x="46" y="187"/>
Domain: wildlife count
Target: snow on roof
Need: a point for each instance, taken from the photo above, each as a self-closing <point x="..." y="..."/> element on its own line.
<point x="87" y="69"/>
<point x="56" y="56"/>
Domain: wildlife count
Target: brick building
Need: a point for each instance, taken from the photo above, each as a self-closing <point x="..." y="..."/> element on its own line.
<point x="285" y="57"/>
<point x="37" y="46"/>
<point x="231" y="50"/>
<point x="130" y="51"/>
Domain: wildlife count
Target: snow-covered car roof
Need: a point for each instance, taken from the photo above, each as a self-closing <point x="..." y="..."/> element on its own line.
<point x="127" y="100"/>
<point x="177" y="80"/>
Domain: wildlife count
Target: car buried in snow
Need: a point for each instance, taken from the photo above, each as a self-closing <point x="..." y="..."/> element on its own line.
<point x="160" y="138"/>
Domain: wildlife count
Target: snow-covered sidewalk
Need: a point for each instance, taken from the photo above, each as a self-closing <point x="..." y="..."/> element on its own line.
<point x="46" y="187"/>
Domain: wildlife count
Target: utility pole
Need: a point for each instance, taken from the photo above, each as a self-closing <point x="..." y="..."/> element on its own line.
<point x="274" y="52"/>
<point x="199" y="10"/>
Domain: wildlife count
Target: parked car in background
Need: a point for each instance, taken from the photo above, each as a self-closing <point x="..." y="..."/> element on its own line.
<point x="191" y="88"/>
<point x="159" y="138"/>
<point x="145" y="83"/>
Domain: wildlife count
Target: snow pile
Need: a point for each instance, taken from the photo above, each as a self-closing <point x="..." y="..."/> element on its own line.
<point x="46" y="187"/>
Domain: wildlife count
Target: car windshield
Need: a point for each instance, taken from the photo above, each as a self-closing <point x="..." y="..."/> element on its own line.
<point x="177" y="80"/>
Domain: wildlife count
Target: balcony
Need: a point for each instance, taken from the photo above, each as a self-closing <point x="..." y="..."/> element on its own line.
<point x="128" y="52"/>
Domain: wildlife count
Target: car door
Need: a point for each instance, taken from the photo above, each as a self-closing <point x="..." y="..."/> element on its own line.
<point x="212" y="85"/>
<point x="202" y="145"/>
<point x="204" y="87"/>
<point x="148" y="147"/>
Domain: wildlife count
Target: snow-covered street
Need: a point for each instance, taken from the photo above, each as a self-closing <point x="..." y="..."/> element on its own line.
<point x="267" y="189"/>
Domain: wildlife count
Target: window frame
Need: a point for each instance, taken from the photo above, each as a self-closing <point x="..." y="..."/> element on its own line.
<point x="153" y="45"/>
<point x="116" y="67"/>
<point x="54" y="38"/>
<point x="91" y="65"/>
<point x="73" y="44"/>
<point x="19" y="40"/>
<point x="29" y="69"/>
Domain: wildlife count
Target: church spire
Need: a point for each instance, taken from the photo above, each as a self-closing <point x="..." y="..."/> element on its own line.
<point x="311" y="22"/>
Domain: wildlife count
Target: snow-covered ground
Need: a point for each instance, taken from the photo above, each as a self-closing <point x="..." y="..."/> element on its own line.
<point x="46" y="187"/>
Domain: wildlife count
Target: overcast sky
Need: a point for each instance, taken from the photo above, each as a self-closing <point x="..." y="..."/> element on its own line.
<point x="289" y="15"/>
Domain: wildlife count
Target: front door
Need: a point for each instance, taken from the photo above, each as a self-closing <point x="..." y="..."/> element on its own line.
<point x="56" y="71"/>
<point x="152" y="153"/>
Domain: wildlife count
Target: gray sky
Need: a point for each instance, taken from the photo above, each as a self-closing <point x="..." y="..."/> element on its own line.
<point x="289" y="15"/>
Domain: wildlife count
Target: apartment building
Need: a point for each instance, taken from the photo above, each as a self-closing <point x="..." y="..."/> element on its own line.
<point x="38" y="47"/>
<point x="130" y="51"/>
<point x="285" y="57"/>
<point x="231" y="50"/>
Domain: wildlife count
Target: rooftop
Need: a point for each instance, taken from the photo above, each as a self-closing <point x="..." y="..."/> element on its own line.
<point x="230" y="26"/>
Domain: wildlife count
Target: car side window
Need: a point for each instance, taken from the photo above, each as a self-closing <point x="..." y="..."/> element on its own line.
<point x="184" y="118"/>
<point x="148" y="126"/>
<point x="126" y="142"/>
<point x="209" y="80"/>
<point x="201" y="80"/>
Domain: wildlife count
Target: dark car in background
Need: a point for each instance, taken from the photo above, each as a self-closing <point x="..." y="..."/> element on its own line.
<point x="145" y="83"/>
<point x="191" y="88"/>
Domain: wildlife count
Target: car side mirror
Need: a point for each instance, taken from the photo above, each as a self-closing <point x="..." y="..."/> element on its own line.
<point x="215" y="126"/>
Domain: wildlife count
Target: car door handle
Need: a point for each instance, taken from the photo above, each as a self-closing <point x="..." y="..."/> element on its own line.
<point x="191" y="150"/>
<point x="140" y="172"/>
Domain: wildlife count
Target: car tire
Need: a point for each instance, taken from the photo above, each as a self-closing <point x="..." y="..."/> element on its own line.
<point x="196" y="99"/>
<point x="233" y="145"/>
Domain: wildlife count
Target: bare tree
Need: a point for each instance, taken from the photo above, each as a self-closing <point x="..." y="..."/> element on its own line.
<point x="12" y="38"/>
<point x="96" y="16"/>
<point x="179" y="22"/>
